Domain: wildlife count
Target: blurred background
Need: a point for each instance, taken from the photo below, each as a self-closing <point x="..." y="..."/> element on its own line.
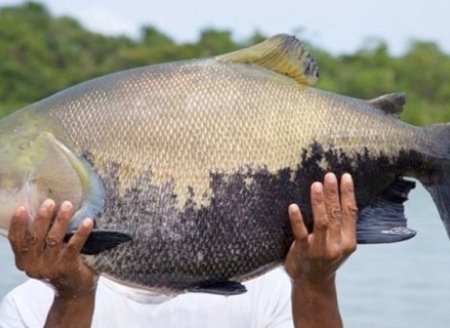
<point x="363" y="48"/>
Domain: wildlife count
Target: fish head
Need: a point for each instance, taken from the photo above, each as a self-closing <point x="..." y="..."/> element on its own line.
<point x="35" y="166"/>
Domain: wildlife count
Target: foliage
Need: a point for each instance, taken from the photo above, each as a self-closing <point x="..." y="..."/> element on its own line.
<point x="41" y="54"/>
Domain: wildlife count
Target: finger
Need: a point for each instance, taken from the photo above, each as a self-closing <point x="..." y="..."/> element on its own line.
<point x="333" y="207"/>
<point x="77" y="241"/>
<point x="299" y="229"/>
<point x="16" y="236"/>
<point x="55" y="236"/>
<point x="39" y="228"/>
<point x="319" y="214"/>
<point x="349" y="212"/>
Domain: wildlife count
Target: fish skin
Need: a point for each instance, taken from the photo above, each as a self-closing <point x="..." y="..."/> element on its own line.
<point x="200" y="159"/>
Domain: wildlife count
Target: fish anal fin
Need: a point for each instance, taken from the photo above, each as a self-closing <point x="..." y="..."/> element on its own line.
<point x="101" y="240"/>
<point x="383" y="220"/>
<point x="226" y="288"/>
<point x="391" y="103"/>
<point x="281" y="53"/>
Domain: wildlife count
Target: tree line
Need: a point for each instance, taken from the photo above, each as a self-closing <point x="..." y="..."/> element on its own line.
<point x="41" y="54"/>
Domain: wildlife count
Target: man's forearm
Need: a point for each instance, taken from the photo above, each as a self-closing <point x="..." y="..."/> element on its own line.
<point x="74" y="312"/>
<point x="315" y="305"/>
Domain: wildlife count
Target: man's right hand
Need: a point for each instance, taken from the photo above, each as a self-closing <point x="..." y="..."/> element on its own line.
<point x="40" y="251"/>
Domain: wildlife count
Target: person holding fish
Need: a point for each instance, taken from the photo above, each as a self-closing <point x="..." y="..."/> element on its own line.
<point x="188" y="169"/>
<point x="311" y="264"/>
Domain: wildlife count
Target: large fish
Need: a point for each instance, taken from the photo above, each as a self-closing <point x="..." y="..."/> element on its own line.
<point x="197" y="161"/>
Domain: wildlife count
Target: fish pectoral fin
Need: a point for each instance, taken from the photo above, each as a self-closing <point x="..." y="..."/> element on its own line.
<point x="282" y="53"/>
<point x="54" y="175"/>
<point x="225" y="288"/>
<point x="101" y="240"/>
<point x="391" y="104"/>
<point x="61" y="175"/>
<point x="383" y="220"/>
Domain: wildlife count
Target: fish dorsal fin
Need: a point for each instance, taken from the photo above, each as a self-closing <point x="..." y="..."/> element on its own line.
<point x="391" y="103"/>
<point x="281" y="53"/>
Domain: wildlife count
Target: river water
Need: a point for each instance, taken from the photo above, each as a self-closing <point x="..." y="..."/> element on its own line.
<point x="398" y="285"/>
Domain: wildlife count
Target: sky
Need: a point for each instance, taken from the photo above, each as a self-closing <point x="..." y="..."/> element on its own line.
<point x="339" y="26"/>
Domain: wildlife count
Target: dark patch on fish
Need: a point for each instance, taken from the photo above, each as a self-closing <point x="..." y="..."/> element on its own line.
<point x="243" y="231"/>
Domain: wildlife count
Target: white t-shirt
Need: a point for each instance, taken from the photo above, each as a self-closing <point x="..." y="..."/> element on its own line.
<point x="267" y="303"/>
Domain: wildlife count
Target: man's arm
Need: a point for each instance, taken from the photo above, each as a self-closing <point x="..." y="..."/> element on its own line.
<point x="314" y="258"/>
<point x="42" y="254"/>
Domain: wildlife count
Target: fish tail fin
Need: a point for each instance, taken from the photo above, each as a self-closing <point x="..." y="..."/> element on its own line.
<point x="439" y="184"/>
<point x="440" y="133"/>
<point x="441" y="197"/>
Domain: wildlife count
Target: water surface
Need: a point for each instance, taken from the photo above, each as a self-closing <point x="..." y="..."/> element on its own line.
<point x="405" y="284"/>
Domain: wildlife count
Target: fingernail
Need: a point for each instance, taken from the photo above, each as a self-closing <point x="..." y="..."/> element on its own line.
<point x="48" y="203"/>
<point x="66" y="205"/>
<point x="347" y="176"/>
<point x="293" y="208"/>
<point x="317" y="187"/>
<point x="87" y="223"/>
<point x="330" y="177"/>
<point x="21" y="209"/>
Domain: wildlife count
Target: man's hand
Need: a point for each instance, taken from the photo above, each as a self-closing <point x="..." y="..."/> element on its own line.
<point x="40" y="251"/>
<point x="313" y="258"/>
